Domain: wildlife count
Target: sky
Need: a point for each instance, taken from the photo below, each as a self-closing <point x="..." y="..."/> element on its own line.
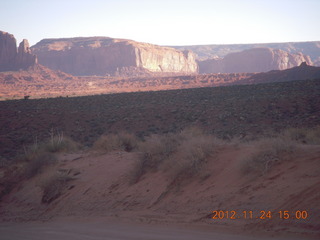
<point x="164" y="22"/>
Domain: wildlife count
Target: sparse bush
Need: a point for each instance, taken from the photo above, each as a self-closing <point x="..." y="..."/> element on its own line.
<point x="154" y="151"/>
<point x="129" y="141"/>
<point x="39" y="155"/>
<point x="59" y="143"/>
<point x="191" y="156"/>
<point x="54" y="186"/>
<point x="268" y="153"/>
<point x="35" y="158"/>
<point x="35" y="163"/>
<point x="121" y="141"/>
<point x="182" y="154"/>
<point x="303" y="135"/>
<point x="157" y="148"/>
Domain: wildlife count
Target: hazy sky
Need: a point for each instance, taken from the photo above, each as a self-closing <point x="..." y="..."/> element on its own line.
<point x="164" y="22"/>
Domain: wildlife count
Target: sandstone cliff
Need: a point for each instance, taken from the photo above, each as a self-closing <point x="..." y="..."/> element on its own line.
<point x="211" y="51"/>
<point x="12" y="59"/>
<point x="24" y="57"/>
<point x="253" y="60"/>
<point x="107" y="56"/>
<point x="8" y="51"/>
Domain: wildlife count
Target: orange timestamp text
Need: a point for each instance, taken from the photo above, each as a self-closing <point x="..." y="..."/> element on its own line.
<point x="263" y="214"/>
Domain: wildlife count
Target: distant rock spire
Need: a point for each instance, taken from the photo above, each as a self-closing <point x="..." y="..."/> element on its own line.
<point x="304" y="64"/>
<point x="25" y="58"/>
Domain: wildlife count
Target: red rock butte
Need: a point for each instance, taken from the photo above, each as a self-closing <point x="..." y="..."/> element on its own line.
<point x="12" y="58"/>
<point x="108" y="56"/>
<point x="254" y="60"/>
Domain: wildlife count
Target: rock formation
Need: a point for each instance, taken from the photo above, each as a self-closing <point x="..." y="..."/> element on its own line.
<point x="253" y="60"/>
<point x="107" y="56"/>
<point x="302" y="72"/>
<point x="204" y="52"/>
<point x="8" y="51"/>
<point x="24" y="57"/>
<point x="10" y="58"/>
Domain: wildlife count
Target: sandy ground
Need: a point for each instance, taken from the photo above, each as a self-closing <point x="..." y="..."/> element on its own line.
<point x="95" y="230"/>
<point x="153" y="208"/>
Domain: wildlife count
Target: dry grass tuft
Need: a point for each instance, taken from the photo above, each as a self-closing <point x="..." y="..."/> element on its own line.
<point x="112" y="142"/>
<point x="35" y="158"/>
<point x="36" y="163"/>
<point x="268" y="153"/>
<point x="193" y="154"/>
<point x="58" y="143"/>
<point x="155" y="150"/>
<point x="54" y="186"/>
<point x="303" y="135"/>
<point x="182" y="154"/>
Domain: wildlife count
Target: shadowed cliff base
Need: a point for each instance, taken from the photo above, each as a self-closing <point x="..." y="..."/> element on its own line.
<point x="41" y="82"/>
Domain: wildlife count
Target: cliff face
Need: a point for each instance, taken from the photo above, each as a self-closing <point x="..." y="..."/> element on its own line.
<point x="107" y="56"/>
<point x="10" y="58"/>
<point x="205" y="52"/>
<point x="253" y="60"/>
<point x="24" y="57"/>
<point x="8" y="51"/>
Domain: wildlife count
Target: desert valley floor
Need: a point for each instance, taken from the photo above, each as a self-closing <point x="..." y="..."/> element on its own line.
<point x="115" y="191"/>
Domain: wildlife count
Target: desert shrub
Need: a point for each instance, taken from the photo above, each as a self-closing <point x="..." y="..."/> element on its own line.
<point x="192" y="155"/>
<point x="303" y="135"/>
<point x="54" y="186"/>
<point x="182" y="154"/>
<point x="35" y="158"/>
<point x="36" y="162"/>
<point x="154" y="150"/>
<point x="268" y="153"/>
<point x="59" y="143"/>
<point x="39" y="155"/>
<point x="128" y="141"/>
<point x="56" y="143"/>
<point x="121" y="141"/>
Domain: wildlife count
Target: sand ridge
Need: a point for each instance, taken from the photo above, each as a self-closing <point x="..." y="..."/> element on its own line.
<point x="101" y="188"/>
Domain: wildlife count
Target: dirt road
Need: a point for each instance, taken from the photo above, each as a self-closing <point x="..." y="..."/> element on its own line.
<point x="115" y="231"/>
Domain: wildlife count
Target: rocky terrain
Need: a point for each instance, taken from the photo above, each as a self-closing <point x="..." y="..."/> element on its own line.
<point x="106" y="56"/>
<point x="253" y="60"/>
<point x="12" y="58"/>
